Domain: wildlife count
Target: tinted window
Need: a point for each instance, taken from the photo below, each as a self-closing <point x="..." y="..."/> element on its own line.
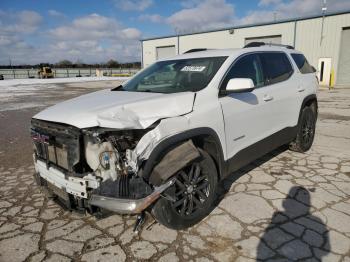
<point x="246" y="67"/>
<point x="276" y="67"/>
<point x="303" y="64"/>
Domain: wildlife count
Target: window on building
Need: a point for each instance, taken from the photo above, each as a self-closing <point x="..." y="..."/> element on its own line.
<point x="303" y="64"/>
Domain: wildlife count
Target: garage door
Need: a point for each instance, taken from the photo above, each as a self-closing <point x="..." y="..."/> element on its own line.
<point x="273" y="39"/>
<point x="344" y="59"/>
<point x="165" y="52"/>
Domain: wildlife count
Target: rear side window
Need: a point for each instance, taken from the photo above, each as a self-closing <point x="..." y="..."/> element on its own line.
<point x="303" y="64"/>
<point x="277" y="67"/>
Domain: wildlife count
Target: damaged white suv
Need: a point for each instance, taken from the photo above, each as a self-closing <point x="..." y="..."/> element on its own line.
<point x="161" y="141"/>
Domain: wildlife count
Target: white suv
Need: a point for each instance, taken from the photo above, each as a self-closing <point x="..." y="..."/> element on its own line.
<point x="162" y="140"/>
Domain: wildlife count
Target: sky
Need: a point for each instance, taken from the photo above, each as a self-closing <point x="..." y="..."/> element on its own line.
<point x="94" y="31"/>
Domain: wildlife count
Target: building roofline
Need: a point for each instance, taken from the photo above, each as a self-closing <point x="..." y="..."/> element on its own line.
<point x="252" y="25"/>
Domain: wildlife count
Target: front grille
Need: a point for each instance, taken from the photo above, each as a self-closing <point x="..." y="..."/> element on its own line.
<point x="56" y="144"/>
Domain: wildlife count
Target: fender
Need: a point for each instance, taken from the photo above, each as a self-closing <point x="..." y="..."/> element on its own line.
<point x="308" y="100"/>
<point x="163" y="147"/>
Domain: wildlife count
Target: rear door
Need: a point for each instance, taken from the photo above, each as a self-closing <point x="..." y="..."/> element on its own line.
<point x="280" y="89"/>
<point x="252" y="116"/>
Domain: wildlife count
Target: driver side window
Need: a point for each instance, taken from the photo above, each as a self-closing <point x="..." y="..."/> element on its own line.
<point x="248" y="66"/>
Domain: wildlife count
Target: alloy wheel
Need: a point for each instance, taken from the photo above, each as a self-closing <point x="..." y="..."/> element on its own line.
<point x="192" y="190"/>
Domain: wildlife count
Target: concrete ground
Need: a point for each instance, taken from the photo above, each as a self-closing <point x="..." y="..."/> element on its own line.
<point x="284" y="206"/>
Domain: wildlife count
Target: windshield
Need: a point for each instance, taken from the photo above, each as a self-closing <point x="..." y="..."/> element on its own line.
<point x="175" y="76"/>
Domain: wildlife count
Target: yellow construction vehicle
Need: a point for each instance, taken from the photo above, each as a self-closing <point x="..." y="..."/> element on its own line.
<point x="45" y="72"/>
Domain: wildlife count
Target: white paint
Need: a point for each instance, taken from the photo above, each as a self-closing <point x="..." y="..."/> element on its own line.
<point x="118" y="109"/>
<point x="239" y="84"/>
<point x="250" y="115"/>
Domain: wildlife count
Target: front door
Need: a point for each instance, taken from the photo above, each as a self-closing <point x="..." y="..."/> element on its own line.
<point x="244" y="113"/>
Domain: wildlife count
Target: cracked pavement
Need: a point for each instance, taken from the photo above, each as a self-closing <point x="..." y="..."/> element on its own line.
<point x="284" y="206"/>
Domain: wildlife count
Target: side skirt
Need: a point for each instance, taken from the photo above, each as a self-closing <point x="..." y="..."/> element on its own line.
<point x="259" y="149"/>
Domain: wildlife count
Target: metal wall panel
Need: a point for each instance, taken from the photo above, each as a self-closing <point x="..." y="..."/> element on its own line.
<point x="308" y="38"/>
<point x="344" y="59"/>
<point x="277" y="39"/>
<point x="165" y="52"/>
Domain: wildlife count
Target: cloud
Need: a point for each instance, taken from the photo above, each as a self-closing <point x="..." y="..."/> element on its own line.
<point x="14" y="28"/>
<point x="207" y="14"/>
<point x="189" y="3"/>
<point x="19" y="22"/>
<point x="133" y="5"/>
<point x="97" y="37"/>
<point x="91" y="38"/>
<point x="94" y="27"/>
<point x="55" y="13"/>
<point x="268" y="2"/>
<point x="154" y="18"/>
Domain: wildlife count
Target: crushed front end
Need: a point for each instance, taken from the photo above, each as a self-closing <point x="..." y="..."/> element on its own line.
<point x="92" y="169"/>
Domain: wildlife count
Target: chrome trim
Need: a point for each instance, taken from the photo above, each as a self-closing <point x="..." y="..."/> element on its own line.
<point x="129" y="206"/>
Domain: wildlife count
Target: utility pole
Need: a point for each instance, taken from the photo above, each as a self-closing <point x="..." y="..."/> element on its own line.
<point x="275" y="16"/>
<point x="324" y="10"/>
<point x="177" y="32"/>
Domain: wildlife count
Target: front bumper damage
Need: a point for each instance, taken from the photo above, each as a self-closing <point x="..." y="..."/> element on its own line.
<point x="57" y="184"/>
<point x="129" y="206"/>
<point x="105" y="169"/>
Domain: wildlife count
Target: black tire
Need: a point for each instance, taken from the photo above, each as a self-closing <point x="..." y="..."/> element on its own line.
<point x="200" y="194"/>
<point x="306" y="131"/>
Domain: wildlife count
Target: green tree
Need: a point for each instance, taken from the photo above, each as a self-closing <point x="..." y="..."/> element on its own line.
<point x="64" y="63"/>
<point x="112" y="63"/>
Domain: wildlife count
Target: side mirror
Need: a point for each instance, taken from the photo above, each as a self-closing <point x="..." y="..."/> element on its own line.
<point x="239" y="85"/>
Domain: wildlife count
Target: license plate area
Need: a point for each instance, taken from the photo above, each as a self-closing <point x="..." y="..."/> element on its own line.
<point x="61" y="193"/>
<point x="72" y="185"/>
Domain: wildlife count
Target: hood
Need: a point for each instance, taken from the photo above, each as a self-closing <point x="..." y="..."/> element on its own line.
<point x="118" y="109"/>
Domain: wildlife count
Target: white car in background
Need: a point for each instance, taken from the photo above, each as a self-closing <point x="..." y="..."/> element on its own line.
<point x="163" y="140"/>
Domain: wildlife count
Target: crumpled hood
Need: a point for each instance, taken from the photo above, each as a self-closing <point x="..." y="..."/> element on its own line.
<point x="118" y="109"/>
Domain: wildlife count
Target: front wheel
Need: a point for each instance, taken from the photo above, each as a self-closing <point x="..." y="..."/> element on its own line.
<point x="306" y="131"/>
<point x="195" y="191"/>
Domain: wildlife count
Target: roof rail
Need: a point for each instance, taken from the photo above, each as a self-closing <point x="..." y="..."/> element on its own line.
<point x="195" y="50"/>
<point x="257" y="44"/>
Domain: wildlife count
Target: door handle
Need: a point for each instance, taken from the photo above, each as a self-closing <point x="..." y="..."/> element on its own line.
<point x="301" y="89"/>
<point x="267" y="98"/>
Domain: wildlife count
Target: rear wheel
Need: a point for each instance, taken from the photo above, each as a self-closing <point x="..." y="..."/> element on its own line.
<point x="195" y="191"/>
<point x="306" y="131"/>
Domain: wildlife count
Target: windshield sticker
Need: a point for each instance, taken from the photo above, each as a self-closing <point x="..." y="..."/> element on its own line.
<point x="193" y="69"/>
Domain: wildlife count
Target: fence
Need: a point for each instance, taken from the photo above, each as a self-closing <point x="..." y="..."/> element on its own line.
<point x="66" y="72"/>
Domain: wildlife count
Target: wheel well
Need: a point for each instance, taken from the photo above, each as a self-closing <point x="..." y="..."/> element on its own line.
<point x="209" y="144"/>
<point x="204" y="138"/>
<point x="312" y="103"/>
<point x="309" y="101"/>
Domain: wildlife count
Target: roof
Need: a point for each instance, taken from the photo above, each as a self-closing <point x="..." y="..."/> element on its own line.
<point x="228" y="52"/>
<point x="253" y="25"/>
<point x="206" y="53"/>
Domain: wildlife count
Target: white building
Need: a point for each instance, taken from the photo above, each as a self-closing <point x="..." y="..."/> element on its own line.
<point x="325" y="41"/>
